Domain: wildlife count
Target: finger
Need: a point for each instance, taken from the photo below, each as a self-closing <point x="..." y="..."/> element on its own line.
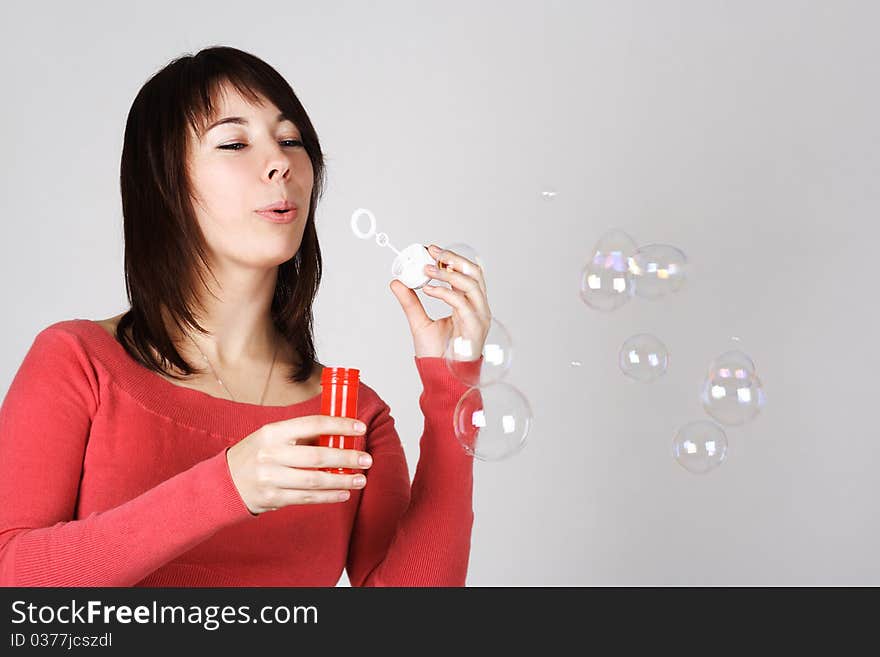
<point x="454" y="298"/>
<point x="278" y="476"/>
<point x="412" y="306"/>
<point x="311" y="426"/>
<point x="451" y="260"/>
<point x="303" y="456"/>
<point x="285" y="497"/>
<point x="468" y="286"/>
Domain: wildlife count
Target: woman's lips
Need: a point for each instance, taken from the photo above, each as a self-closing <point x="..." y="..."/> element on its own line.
<point x="279" y="217"/>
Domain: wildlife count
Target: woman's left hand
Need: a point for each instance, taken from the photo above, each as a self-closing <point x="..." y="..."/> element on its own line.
<point x="470" y="317"/>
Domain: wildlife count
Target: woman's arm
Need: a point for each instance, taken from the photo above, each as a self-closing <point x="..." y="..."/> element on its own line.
<point x="45" y="422"/>
<point x="419" y="536"/>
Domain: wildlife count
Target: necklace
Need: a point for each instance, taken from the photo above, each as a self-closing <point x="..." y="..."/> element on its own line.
<point x="213" y="371"/>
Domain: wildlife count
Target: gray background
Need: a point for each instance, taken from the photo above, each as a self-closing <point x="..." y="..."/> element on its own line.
<point x="744" y="133"/>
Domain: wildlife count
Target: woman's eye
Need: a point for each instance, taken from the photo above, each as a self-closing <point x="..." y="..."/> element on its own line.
<point x="293" y="144"/>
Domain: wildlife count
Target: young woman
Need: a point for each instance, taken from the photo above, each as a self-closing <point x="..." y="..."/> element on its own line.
<point x="148" y="448"/>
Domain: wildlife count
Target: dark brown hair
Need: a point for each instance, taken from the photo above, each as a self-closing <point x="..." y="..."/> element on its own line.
<point x="163" y="242"/>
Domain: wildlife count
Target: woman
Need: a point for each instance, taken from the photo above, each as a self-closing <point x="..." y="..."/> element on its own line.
<point x="147" y="449"/>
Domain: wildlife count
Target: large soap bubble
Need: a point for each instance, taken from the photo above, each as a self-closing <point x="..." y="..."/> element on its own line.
<point x="658" y="270"/>
<point x="497" y="354"/>
<point x="492" y="421"/>
<point x="606" y="282"/>
<point x="732" y="392"/>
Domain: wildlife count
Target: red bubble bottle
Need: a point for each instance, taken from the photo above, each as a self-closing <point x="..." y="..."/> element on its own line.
<point x="339" y="393"/>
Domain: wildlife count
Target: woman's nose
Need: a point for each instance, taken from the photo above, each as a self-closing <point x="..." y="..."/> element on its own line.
<point x="279" y="168"/>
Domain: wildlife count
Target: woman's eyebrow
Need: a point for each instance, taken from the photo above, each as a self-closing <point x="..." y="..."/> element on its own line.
<point x="242" y="121"/>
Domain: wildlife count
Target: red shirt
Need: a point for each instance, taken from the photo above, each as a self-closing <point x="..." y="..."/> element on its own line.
<point x="111" y="475"/>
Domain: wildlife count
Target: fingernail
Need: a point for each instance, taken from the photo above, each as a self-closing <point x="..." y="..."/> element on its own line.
<point x="431" y="269"/>
<point x="365" y="459"/>
<point x="360" y="426"/>
<point x="360" y="480"/>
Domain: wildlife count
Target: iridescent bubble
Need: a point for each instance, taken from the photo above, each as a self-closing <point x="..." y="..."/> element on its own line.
<point x="732" y="392"/>
<point x="615" y="242"/>
<point x="658" y="270"/>
<point x="700" y="446"/>
<point x="492" y="421"/>
<point x="643" y="357"/>
<point x="606" y="282"/>
<point x="462" y="353"/>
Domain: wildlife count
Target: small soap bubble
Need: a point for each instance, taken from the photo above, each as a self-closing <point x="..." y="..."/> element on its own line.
<point x="381" y="239"/>
<point x="492" y="421"/>
<point x="606" y="282"/>
<point x="643" y="357"/>
<point x="461" y="356"/>
<point x="576" y="363"/>
<point x="700" y="446"/>
<point x="548" y="194"/>
<point x="658" y="270"/>
<point x="732" y="392"/>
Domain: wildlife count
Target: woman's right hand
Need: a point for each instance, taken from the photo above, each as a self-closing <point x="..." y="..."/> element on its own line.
<point x="274" y="466"/>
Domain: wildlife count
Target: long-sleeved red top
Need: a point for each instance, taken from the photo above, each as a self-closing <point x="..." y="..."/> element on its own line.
<point x="111" y="475"/>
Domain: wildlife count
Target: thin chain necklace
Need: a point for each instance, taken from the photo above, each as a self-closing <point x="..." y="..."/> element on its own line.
<point x="214" y="372"/>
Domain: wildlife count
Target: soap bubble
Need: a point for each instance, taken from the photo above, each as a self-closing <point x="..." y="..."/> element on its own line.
<point x="548" y="194"/>
<point x="492" y="421"/>
<point x="700" y="446"/>
<point x="643" y="357"/>
<point x="615" y="247"/>
<point x="658" y="270"/>
<point x="497" y="353"/>
<point x="606" y="282"/>
<point x="732" y="392"/>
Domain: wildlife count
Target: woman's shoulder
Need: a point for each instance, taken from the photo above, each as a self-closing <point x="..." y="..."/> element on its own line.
<point x="71" y="331"/>
<point x="85" y="343"/>
<point x="67" y="352"/>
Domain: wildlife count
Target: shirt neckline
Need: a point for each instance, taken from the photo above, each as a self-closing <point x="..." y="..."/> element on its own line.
<point x="192" y="407"/>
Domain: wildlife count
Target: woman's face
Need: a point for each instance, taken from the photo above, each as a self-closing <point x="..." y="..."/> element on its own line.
<point x="237" y="168"/>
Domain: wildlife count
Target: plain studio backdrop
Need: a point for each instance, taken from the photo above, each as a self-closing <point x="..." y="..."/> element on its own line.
<point x="744" y="133"/>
